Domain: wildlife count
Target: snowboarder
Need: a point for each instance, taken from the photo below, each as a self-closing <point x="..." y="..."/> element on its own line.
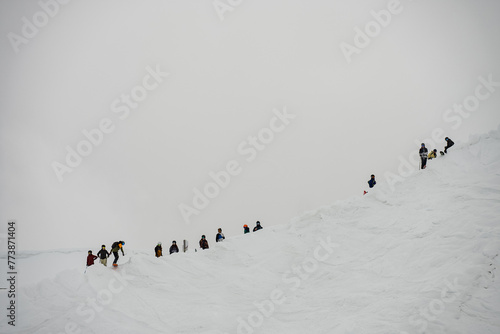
<point x="220" y="236"/>
<point x="117" y="245"/>
<point x="372" y="181"/>
<point x="246" y="229"/>
<point x="257" y="227"/>
<point x="174" y="248"/>
<point x="158" y="250"/>
<point x="90" y="258"/>
<point x="103" y="255"/>
<point x="432" y="155"/>
<point x="449" y="143"/>
<point x="203" y="242"/>
<point x="423" y="156"/>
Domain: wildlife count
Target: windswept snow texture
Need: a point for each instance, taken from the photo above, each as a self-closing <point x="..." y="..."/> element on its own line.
<point x="421" y="258"/>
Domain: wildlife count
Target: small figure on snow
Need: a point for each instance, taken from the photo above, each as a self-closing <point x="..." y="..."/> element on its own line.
<point x="174" y="248"/>
<point x="203" y="242"/>
<point x="103" y="255"/>
<point x="432" y="155"/>
<point x="257" y="227"/>
<point x="90" y="259"/>
<point x="246" y="229"/>
<point x="372" y="181"/>
<point x="117" y="246"/>
<point x="220" y="236"/>
<point x="449" y="143"/>
<point x="423" y="156"/>
<point x="158" y="250"/>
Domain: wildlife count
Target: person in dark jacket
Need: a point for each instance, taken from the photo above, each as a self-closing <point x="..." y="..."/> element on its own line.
<point x="423" y="156"/>
<point x="203" y="242"/>
<point x="103" y="255"/>
<point x="372" y="181"/>
<point x="246" y="229"/>
<point x="449" y="143"/>
<point x="220" y="236"/>
<point x="158" y="250"/>
<point x="174" y="248"/>
<point x="257" y="226"/>
<point x="117" y="246"/>
<point x="90" y="258"/>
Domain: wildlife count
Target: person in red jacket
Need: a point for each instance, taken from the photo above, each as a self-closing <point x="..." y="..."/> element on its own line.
<point x="90" y="259"/>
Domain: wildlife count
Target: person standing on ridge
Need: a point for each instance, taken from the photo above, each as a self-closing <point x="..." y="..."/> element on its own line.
<point x="90" y="258"/>
<point x="423" y="156"/>
<point x="372" y="181"/>
<point x="117" y="245"/>
<point x="103" y="255"/>
<point x="158" y="250"/>
<point x="203" y="242"/>
<point x="174" y="248"/>
<point x="246" y="229"/>
<point x="257" y="227"/>
<point x="432" y="155"/>
<point x="449" y="143"/>
<point x="220" y="236"/>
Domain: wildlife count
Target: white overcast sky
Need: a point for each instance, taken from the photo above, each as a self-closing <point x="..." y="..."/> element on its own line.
<point x="225" y="79"/>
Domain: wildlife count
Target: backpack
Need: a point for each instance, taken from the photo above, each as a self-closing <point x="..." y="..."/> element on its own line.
<point x="115" y="244"/>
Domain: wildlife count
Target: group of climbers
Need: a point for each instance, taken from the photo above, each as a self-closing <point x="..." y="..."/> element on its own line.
<point x="159" y="249"/>
<point x="103" y="254"/>
<point x="220" y="236"/>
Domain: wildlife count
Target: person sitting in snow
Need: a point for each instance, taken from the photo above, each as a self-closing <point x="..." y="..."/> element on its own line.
<point x="90" y="259"/>
<point x="158" y="250"/>
<point x="103" y="255"/>
<point x="432" y="155"/>
<point x="449" y="143"/>
<point x="372" y="181"/>
<point x="174" y="248"/>
<point x="246" y="229"/>
<point x="423" y="156"/>
<point x="203" y="242"/>
<point x="257" y="227"/>
<point x="220" y="236"/>
<point x="117" y="246"/>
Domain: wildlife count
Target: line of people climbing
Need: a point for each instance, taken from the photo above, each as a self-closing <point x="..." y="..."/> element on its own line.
<point x="103" y="254"/>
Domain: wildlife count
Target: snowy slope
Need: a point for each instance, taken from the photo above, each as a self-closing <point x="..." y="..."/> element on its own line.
<point x="422" y="258"/>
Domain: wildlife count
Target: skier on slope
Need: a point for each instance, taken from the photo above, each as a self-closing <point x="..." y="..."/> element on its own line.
<point x="423" y="156"/>
<point x="372" y="181"/>
<point x="246" y="229"/>
<point x="449" y="143"/>
<point x="220" y="236"/>
<point x="90" y="258"/>
<point x="257" y="226"/>
<point x="174" y="248"/>
<point x="203" y="242"/>
<point x="432" y="155"/>
<point x="117" y="246"/>
<point x="158" y="250"/>
<point x="103" y="255"/>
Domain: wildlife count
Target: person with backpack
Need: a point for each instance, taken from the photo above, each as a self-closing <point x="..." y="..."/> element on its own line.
<point x="246" y="229"/>
<point x="158" y="250"/>
<point x="372" y="181"/>
<point x="220" y="236"/>
<point x="174" y="248"/>
<point x="90" y="258"/>
<point x="203" y="242"/>
<point x="257" y="226"/>
<point x="117" y="246"/>
<point x="449" y="143"/>
<point x="423" y="156"/>
<point x="432" y="155"/>
<point x="103" y="255"/>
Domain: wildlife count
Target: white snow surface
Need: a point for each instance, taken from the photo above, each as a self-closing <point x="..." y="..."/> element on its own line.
<point x="421" y="258"/>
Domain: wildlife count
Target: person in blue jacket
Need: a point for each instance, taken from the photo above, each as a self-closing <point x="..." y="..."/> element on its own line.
<point x="372" y="181"/>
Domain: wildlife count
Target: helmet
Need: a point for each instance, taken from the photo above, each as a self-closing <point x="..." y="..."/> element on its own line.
<point x="422" y="144"/>
<point x="245" y="225"/>
<point x="103" y="246"/>
<point x="90" y="252"/>
<point x="203" y="236"/>
<point x="258" y="222"/>
<point x="173" y="242"/>
<point x="434" y="150"/>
